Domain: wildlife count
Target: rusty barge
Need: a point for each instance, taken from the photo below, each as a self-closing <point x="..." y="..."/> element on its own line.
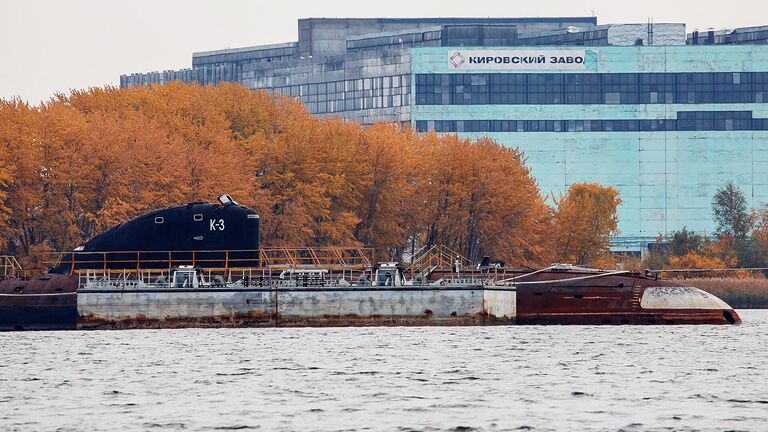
<point x="200" y="265"/>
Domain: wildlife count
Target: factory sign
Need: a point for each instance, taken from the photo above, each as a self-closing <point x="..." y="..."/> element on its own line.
<point x="517" y="59"/>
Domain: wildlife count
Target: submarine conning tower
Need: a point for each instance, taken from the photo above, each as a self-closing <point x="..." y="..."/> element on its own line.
<point x="224" y="234"/>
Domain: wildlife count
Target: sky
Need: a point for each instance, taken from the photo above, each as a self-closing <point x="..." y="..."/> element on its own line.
<point x="49" y="47"/>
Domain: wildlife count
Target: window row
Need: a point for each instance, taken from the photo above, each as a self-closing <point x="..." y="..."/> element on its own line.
<point x="581" y="88"/>
<point x="590" y="125"/>
<point x="354" y="94"/>
<point x="355" y="104"/>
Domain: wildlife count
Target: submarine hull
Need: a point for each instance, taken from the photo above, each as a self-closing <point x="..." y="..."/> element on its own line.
<point x="619" y="300"/>
<point x="38" y="318"/>
<point x="43" y="303"/>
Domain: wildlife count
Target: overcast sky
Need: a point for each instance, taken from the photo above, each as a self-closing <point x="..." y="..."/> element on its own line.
<point x="54" y="46"/>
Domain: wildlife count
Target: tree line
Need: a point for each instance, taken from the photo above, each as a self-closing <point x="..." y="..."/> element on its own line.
<point x="740" y="239"/>
<point x="81" y="163"/>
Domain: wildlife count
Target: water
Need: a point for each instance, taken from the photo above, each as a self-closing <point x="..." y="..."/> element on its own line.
<point x="460" y="378"/>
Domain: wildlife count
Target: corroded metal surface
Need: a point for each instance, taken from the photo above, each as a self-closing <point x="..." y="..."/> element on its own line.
<point x="294" y="307"/>
<point x="175" y="308"/>
<point x="500" y="303"/>
<point x="611" y="300"/>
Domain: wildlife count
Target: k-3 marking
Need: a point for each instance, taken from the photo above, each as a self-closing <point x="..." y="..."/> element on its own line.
<point x="217" y="224"/>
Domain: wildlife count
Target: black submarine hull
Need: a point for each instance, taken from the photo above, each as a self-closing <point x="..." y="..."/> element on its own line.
<point x="47" y="302"/>
<point x="203" y="234"/>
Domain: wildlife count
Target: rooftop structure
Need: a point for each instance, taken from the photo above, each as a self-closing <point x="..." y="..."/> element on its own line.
<point x="739" y="36"/>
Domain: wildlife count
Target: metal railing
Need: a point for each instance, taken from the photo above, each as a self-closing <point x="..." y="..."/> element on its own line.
<point x="280" y="258"/>
<point x="10" y="266"/>
<point x="437" y="256"/>
<point x="212" y="278"/>
<point x="335" y="259"/>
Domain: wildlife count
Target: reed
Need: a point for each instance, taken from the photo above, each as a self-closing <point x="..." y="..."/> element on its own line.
<point x="740" y="293"/>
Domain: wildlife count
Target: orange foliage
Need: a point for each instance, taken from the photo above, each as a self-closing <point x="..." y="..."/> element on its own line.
<point x="480" y="199"/>
<point x="79" y="164"/>
<point x="607" y="261"/>
<point x="704" y="260"/>
<point x="584" y="221"/>
<point x="693" y="260"/>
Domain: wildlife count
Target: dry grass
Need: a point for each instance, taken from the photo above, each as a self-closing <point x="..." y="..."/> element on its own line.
<point x="740" y="293"/>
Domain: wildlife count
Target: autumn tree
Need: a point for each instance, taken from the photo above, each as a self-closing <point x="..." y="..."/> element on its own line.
<point x="44" y="199"/>
<point x="584" y="221"/>
<point x="480" y="199"/>
<point x="387" y="204"/>
<point x="81" y="163"/>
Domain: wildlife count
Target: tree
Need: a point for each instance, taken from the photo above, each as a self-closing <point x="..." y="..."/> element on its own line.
<point x="732" y="217"/>
<point x="684" y="241"/>
<point x="479" y="198"/>
<point x="735" y="221"/>
<point x="584" y="221"/>
<point x="388" y="187"/>
<point x="658" y="254"/>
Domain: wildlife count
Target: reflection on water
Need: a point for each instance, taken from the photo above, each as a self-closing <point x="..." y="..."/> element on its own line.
<point x="460" y="378"/>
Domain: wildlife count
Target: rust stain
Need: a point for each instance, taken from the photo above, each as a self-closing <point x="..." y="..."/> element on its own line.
<point x="256" y="320"/>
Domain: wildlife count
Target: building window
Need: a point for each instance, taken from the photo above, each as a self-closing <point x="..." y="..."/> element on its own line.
<point x="685" y="121"/>
<point x="590" y="88"/>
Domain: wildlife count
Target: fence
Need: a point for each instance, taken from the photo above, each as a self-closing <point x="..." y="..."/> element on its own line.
<point x="331" y="258"/>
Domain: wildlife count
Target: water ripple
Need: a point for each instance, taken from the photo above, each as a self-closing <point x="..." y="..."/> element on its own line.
<point x="408" y="379"/>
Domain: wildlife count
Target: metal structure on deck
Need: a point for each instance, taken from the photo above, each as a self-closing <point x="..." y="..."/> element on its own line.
<point x="277" y="258"/>
<point x="429" y="258"/>
<point x="10" y="265"/>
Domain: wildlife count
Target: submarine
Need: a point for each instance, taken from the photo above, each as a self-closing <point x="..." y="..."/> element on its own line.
<point x="198" y="232"/>
<point x="195" y="232"/>
<point x="201" y="265"/>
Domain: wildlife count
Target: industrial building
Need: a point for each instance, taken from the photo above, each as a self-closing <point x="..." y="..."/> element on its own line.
<point x="664" y="116"/>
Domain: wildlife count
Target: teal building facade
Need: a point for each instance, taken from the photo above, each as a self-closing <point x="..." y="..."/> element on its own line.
<point x="665" y="125"/>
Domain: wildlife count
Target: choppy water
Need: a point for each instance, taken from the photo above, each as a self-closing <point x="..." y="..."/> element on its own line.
<point x="490" y="378"/>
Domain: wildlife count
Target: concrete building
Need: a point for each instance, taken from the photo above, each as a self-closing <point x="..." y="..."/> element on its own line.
<point x="641" y="107"/>
<point x="357" y="69"/>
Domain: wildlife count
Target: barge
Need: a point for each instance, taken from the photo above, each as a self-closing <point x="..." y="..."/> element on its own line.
<point x="201" y="265"/>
